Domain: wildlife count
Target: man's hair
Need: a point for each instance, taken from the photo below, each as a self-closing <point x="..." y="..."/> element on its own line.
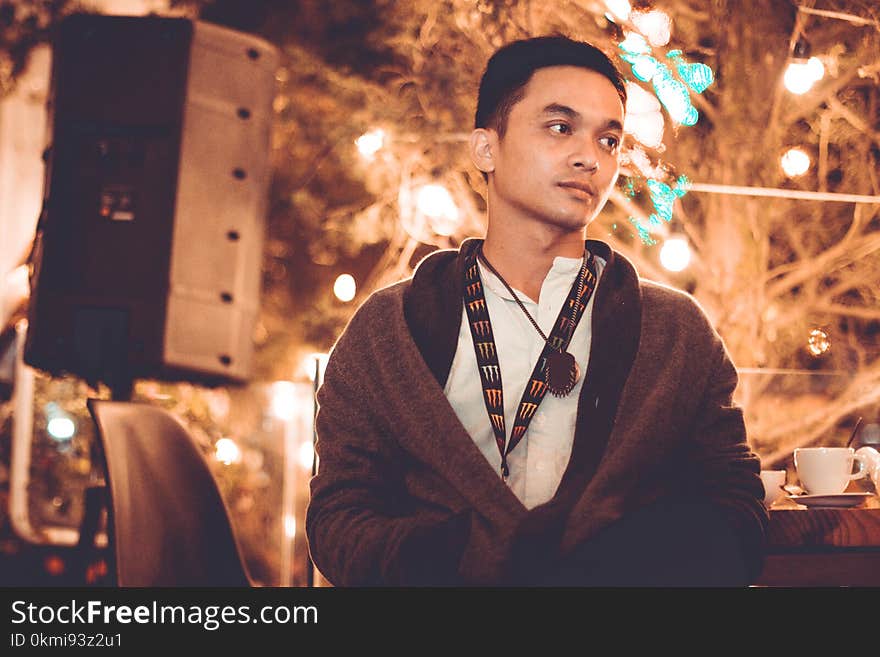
<point x="512" y="66"/>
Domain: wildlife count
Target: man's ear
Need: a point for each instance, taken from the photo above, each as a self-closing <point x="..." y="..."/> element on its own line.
<point x="482" y="144"/>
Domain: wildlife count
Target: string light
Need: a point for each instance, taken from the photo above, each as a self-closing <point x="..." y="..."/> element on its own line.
<point x="226" y="451"/>
<point x="637" y="53"/>
<point x="644" y="120"/>
<point x="308" y="365"/>
<point x="818" y="342"/>
<point x="290" y="525"/>
<point x="803" y="71"/>
<point x="283" y="404"/>
<point x="795" y="162"/>
<point x="663" y="196"/>
<point x="306" y="455"/>
<point x="675" y="255"/>
<point x="672" y="93"/>
<point x="345" y="287"/>
<point x="697" y="76"/>
<point x="655" y="25"/>
<point x="639" y="159"/>
<point x="436" y="203"/>
<point x="635" y="44"/>
<point x="59" y="424"/>
<point x="801" y="76"/>
<point x="369" y="143"/>
<point x="674" y="96"/>
<point x="61" y="428"/>
<point x="817" y="68"/>
<point x="619" y="9"/>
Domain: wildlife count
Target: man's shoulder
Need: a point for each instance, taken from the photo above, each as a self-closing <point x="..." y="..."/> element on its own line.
<point x="390" y="293"/>
<point x="392" y="310"/>
<point x="429" y="271"/>
<point x="667" y="296"/>
<point x="670" y="306"/>
<point x="376" y="320"/>
<point x="383" y="301"/>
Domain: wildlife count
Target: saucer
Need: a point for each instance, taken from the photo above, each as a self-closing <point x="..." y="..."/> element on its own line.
<point x="842" y="500"/>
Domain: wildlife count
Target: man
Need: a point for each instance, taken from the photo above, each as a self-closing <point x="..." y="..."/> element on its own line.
<point x="526" y="410"/>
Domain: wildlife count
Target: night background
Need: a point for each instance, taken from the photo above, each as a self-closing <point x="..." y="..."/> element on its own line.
<point x="372" y="106"/>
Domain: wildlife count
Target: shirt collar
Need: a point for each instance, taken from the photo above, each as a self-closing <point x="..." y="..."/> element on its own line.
<point x="562" y="272"/>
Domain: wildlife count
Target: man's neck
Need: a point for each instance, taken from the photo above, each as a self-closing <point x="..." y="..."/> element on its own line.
<point x="524" y="259"/>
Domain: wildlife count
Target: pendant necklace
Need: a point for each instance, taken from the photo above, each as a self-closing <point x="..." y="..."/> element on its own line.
<point x="556" y="369"/>
<point x="561" y="372"/>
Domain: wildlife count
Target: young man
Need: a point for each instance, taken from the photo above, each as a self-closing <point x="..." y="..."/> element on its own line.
<point x="525" y="409"/>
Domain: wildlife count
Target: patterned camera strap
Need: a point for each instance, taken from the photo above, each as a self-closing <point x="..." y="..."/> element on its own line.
<point x="487" y="354"/>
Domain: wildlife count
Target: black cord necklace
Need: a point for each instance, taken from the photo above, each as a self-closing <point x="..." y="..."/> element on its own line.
<point x="561" y="375"/>
<point x="562" y="372"/>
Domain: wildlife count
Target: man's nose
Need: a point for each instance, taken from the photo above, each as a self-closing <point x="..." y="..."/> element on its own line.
<point x="585" y="157"/>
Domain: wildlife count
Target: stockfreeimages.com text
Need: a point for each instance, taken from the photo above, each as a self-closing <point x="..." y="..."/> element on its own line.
<point x="211" y="617"/>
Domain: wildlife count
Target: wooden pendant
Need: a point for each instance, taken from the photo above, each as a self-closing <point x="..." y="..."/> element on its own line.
<point x="562" y="373"/>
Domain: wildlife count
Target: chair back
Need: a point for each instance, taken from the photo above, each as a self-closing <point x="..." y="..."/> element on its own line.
<point x="168" y="523"/>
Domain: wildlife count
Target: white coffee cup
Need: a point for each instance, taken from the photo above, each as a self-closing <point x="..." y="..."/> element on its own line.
<point x="773" y="481"/>
<point x="828" y="470"/>
<point x="872" y="458"/>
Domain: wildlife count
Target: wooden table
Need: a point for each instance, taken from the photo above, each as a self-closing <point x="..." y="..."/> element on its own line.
<point x="823" y="547"/>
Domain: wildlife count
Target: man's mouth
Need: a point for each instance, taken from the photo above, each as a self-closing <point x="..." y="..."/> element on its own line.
<point x="579" y="188"/>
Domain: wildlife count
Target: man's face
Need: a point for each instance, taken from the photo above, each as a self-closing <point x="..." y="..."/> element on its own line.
<point x="558" y="159"/>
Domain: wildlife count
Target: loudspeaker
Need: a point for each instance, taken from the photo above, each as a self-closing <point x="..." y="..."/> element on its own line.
<point x="147" y="261"/>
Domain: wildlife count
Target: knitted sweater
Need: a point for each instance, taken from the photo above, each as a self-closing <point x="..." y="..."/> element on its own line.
<point x="404" y="497"/>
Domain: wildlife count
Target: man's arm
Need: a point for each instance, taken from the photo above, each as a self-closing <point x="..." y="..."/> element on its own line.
<point x="363" y="528"/>
<point x="724" y="470"/>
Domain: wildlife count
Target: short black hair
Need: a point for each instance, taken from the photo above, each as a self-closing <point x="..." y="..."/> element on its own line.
<point x="512" y="66"/>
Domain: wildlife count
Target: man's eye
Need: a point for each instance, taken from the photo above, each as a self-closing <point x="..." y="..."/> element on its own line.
<point x="611" y="143"/>
<point x="560" y="128"/>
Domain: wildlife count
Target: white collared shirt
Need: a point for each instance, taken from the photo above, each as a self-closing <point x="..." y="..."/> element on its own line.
<point x="539" y="460"/>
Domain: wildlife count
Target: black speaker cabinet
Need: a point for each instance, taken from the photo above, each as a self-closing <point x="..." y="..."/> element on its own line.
<point x="149" y="248"/>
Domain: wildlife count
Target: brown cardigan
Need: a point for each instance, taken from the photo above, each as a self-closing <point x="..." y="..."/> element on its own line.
<point x="403" y="495"/>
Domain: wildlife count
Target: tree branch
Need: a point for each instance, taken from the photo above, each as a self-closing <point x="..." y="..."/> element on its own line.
<point x="840" y="255"/>
<point x="811" y="102"/>
<point x="853" y="119"/>
<point x="848" y="311"/>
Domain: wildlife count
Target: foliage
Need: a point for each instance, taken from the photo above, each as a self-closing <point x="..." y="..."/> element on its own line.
<point x="768" y="271"/>
<point x="23" y="25"/>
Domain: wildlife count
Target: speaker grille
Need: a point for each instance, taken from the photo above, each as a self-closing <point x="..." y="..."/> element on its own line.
<point x="215" y="282"/>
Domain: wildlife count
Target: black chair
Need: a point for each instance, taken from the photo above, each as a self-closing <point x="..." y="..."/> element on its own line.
<point x="167" y="523"/>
